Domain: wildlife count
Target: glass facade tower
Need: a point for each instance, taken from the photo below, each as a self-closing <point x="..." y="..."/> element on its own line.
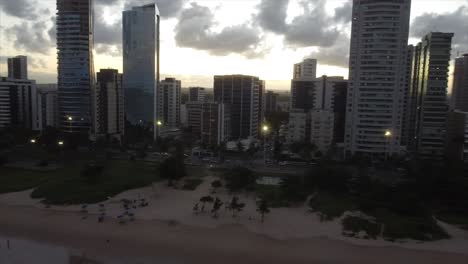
<point x="140" y="63"/>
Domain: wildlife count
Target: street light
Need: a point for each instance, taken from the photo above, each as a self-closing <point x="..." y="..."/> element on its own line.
<point x="70" y="119"/>
<point x="387" y="135"/>
<point x="33" y="141"/>
<point x="60" y="143"/>
<point x="265" y="130"/>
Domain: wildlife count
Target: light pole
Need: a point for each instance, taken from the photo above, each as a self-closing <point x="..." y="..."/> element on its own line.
<point x="265" y="130"/>
<point x="388" y="135"/>
<point x="158" y="127"/>
<point x="70" y="119"/>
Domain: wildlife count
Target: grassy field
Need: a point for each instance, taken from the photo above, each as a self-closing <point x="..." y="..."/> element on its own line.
<point x="331" y="206"/>
<point x="71" y="188"/>
<point x="14" y="180"/>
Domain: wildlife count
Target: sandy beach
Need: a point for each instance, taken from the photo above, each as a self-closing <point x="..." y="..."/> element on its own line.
<point x="167" y="230"/>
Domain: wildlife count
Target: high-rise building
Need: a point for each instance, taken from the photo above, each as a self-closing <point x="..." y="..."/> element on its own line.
<point x="456" y="147"/>
<point x="169" y="103"/>
<point x="76" y="78"/>
<point x="141" y="63"/>
<point x="460" y="84"/>
<point x="47" y="106"/>
<point x="271" y="102"/>
<point x="18" y="103"/>
<point x="297" y="127"/>
<point x="18" y="67"/>
<point x="377" y="69"/>
<point x="432" y="58"/>
<point x="196" y="94"/>
<point x="305" y="70"/>
<point x="109" y="105"/>
<point x="407" y="97"/>
<point x="242" y="93"/>
<point x="325" y="95"/>
<point x="194" y="112"/>
<point x="215" y="123"/>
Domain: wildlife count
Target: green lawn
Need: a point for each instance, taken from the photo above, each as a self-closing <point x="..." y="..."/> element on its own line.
<point x="331" y="206"/>
<point x="15" y="180"/>
<point x="118" y="176"/>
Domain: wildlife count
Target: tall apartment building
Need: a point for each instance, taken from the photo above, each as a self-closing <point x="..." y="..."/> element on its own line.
<point x="75" y="40"/>
<point x="305" y="70"/>
<point x="303" y="85"/>
<point x="169" y="103"/>
<point x="242" y="93"/>
<point x="18" y="67"/>
<point x="47" y="106"/>
<point x="407" y="98"/>
<point x="194" y="110"/>
<point x="196" y="94"/>
<point x="456" y="147"/>
<point x="271" y="102"/>
<point x="109" y="105"/>
<point x="377" y="69"/>
<point x="297" y="127"/>
<point x="431" y="62"/>
<point x="215" y="123"/>
<point x="324" y="96"/>
<point x="460" y="84"/>
<point x="141" y="63"/>
<point x="18" y="103"/>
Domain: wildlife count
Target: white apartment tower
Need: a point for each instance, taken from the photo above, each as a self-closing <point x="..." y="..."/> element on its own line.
<point x="305" y="70"/>
<point x="168" y="103"/>
<point x="377" y="70"/>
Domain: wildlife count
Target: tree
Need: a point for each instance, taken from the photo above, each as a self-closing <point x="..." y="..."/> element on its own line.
<point x="292" y="189"/>
<point x="239" y="178"/>
<point x="263" y="208"/>
<point x="205" y="199"/>
<point x="216" y="184"/>
<point x="240" y="146"/>
<point x="235" y="206"/>
<point x="216" y="206"/>
<point x="173" y="168"/>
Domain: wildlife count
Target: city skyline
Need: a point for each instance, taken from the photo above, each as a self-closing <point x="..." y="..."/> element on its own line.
<point x="289" y="40"/>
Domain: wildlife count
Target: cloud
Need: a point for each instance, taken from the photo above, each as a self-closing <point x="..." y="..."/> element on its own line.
<point x="167" y="8"/>
<point x="343" y="13"/>
<point x="110" y="50"/>
<point x="107" y="2"/>
<point x="195" y="30"/>
<point x="454" y="22"/>
<point x="31" y="37"/>
<point x="312" y="28"/>
<point x="20" y="8"/>
<point x="35" y="63"/>
<point x="336" y="55"/>
<point x="272" y="15"/>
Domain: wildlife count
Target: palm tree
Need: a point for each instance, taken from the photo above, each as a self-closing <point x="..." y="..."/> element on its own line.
<point x="205" y="199"/>
<point x="216" y="206"/>
<point x="236" y="206"/>
<point x="263" y="208"/>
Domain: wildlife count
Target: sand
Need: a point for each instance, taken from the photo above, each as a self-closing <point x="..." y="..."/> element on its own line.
<point x="289" y="235"/>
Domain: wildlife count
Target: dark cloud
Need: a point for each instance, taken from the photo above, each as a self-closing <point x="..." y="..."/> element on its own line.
<point x="312" y="28"/>
<point x="20" y="8"/>
<point x="336" y="55"/>
<point x="167" y="8"/>
<point x="343" y="13"/>
<point x="195" y="30"/>
<point x="272" y="15"/>
<point x="30" y="36"/>
<point x="455" y="22"/>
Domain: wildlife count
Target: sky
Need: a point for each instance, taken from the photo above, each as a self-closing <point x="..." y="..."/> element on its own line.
<point x="203" y="38"/>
